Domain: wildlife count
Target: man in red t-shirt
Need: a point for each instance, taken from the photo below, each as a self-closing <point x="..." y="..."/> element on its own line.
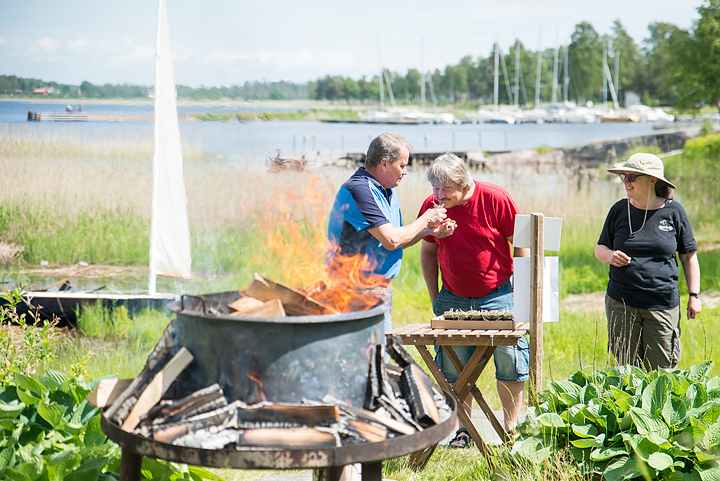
<point x="475" y="264"/>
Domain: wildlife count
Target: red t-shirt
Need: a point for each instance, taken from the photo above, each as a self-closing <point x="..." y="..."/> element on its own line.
<point x="476" y="258"/>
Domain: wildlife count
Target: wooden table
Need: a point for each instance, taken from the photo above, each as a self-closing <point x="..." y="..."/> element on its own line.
<point x="423" y="335"/>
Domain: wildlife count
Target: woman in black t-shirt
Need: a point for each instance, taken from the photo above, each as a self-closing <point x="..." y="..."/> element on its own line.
<point x="639" y="240"/>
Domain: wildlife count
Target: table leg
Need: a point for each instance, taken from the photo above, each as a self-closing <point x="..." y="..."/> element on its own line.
<point x="467" y="422"/>
<point x="130" y="466"/>
<point x="418" y="460"/>
<point x="372" y="471"/>
<point x="482" y="402"/>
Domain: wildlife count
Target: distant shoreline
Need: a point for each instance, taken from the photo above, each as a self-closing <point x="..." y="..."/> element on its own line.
<point x="299" y="104"/>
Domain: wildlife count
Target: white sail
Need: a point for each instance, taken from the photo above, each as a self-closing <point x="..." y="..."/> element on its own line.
<point x="169" y="231"/>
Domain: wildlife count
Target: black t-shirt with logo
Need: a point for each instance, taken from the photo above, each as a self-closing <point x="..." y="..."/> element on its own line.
<point x="650" y="280"/>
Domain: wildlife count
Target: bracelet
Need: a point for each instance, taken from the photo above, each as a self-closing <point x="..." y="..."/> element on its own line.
<point x="693" y="294"/>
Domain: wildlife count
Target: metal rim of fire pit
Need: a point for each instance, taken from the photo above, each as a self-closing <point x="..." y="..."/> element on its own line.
<point x="261" y="457"/>
<point x="177" y="307"/>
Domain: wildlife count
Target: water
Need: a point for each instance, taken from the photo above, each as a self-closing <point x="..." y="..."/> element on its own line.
<point x="256" y="141"/>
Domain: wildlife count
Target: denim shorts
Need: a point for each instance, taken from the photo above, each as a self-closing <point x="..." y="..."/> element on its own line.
<point x="512" y="363"/>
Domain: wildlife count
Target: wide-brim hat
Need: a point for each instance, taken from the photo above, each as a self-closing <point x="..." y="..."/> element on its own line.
<point x="647" y="164"/>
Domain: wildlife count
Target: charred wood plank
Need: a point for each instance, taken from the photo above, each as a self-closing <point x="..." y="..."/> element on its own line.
<point x="243" y="304"/>
<point x="288" y="414"/>
<point x="201" y="401"/>
<point x="295" y="302"/>
<point x="107" y="391"/>
<point x="157" y="387"/>
<point x="417" y="390"/>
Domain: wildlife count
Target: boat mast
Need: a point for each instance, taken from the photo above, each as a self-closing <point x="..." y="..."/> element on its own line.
<point x="517" y="74"/>
<point x="617" y="72"/>
<point x="537" y="76"/>
<point x="555" y="69"/>
<point x="604" y="77"/>
<point x="422" y="75"/>
<point x="566" y="80"/>
<point x="496" y="77"/>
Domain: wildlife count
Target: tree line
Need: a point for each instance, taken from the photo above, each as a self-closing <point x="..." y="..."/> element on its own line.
<point x="672" y="66"/>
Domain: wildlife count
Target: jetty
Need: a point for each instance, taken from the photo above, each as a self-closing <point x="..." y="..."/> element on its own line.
<point x="83" y="117"/>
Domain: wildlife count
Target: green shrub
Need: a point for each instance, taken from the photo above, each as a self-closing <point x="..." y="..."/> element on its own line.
<point x="24" y="345"/>
<point x="625" y="423"/>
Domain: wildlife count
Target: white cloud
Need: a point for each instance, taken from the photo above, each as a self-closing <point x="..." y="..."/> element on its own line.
<point x="78" y="44"/>
<point x="140" y="52"/>
<point x="286" y="60"/>
<point x="48" y="44"/>
<point x="2" y="40"/>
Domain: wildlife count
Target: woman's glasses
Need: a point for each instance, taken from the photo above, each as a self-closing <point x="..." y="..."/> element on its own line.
<point x="630" y="177"/>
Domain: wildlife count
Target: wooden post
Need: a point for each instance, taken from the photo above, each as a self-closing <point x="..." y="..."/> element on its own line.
<point x="537" y="253"/>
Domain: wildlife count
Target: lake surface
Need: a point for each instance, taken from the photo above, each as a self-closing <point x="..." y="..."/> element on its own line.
<point x="256" y="141"/>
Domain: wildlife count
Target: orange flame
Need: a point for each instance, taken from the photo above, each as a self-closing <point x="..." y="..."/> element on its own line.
<point x="293" y="225"/>
<point x="260" y="385"/>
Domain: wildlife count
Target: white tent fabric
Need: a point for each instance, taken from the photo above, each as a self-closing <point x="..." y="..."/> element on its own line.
<point x="169" y="231"/>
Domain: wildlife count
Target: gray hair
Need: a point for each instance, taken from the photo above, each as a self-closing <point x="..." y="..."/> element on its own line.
<point x="387" y="145"/>
<point x="449" y="169"/>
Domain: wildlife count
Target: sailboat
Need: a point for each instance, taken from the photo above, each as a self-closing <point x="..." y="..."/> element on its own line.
<point x="169" y="231"/>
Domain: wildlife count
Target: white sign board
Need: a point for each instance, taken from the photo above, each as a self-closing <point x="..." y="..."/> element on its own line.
<point x="552" y="227"/>
<point x="551" y="289"/>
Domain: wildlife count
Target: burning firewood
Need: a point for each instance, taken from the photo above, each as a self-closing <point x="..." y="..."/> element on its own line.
<point x="245" y="303"/>
<point x="295" y="302"/>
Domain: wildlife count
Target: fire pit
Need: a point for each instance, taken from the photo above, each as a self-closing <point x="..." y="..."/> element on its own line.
<point x="299" y="391"/>
<point x="284" y="359"/>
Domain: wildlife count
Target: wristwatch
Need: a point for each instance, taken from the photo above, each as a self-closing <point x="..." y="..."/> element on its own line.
<point x="693" y="294"/>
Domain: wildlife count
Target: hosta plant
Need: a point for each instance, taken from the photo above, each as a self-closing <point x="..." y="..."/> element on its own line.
<point x="625" y="423"/>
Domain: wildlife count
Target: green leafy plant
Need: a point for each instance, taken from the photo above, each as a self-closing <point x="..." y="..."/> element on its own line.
<point x="625" y="423"/>
<point x="24" y="343"/>
<point x="51" y="433"/>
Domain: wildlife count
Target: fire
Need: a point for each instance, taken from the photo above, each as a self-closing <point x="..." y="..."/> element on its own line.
<point x="293" y="229"/>
<point x="260" y="385"/>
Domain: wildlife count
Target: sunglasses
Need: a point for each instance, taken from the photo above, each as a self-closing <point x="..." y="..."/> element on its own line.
<point x="630" y="177"/>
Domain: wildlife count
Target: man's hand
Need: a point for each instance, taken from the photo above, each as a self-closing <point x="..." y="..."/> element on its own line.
<point x="433" y="217"/>
<point x="694" y="307"/>
<point x="444" y="229"/>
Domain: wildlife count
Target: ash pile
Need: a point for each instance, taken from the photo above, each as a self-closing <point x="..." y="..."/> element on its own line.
<point x="400" y="399"/>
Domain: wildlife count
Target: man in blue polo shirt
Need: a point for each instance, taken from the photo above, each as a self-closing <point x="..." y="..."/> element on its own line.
<point x="366" y="220"/>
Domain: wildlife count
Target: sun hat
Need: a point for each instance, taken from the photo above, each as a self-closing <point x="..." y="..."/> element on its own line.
<point x="647" y="164"/>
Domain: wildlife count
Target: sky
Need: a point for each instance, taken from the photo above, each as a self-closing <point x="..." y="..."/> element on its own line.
<point x="228" y="42"/>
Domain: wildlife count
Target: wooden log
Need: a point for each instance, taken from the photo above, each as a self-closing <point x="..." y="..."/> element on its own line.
<point x="302" y="414"/>
<point x="418" y="394"/>
<point x="168" y="434"/>
<point x="295" y="302"/>
<point x="272" y="308"/>
<point x="161" y="354"/>
<point x="371" y="432"/>
<point x="397" y="426"/>
<point x="107" y="391"/>
<point x="243" y="304"/>
<point x="157" y="387"/>
<point x="201" y="401"/>
<point x="286" y="437"/>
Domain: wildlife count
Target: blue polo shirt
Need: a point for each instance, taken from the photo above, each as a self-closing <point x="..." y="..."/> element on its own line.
<point x="361" y="204"/>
